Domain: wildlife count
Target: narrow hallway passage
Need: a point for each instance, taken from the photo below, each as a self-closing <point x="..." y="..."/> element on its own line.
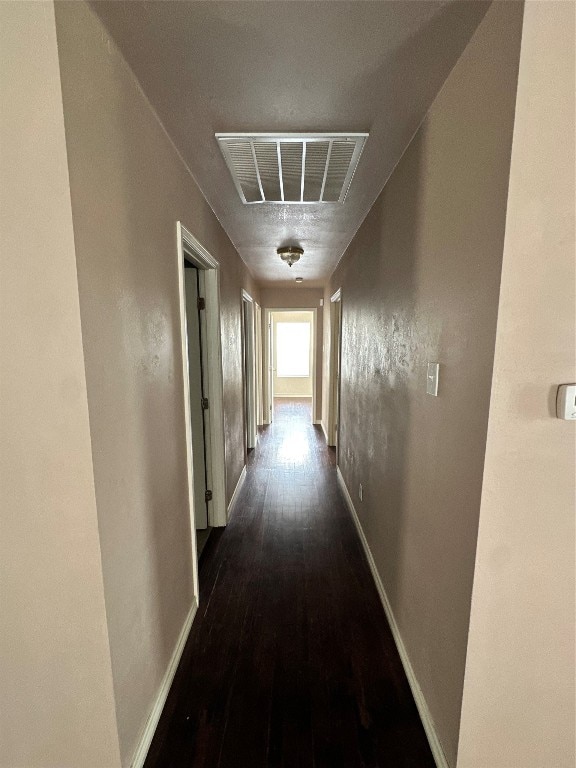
<point x="290" y="661"/>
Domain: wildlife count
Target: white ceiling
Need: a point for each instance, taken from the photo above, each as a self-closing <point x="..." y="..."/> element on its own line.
<point x="294" y="66"/>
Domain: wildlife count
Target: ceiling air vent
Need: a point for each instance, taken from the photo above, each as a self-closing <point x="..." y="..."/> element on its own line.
<point x="292" y="168"/>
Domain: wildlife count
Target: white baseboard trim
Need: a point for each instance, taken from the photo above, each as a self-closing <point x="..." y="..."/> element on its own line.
<point x="425" y="716"/>
<point x="325" y="431"/>
<point x="237" y="490"/>
<point x="317" y="421"/>
<point x="154" y="717"/>
<point x="293" y="397"/>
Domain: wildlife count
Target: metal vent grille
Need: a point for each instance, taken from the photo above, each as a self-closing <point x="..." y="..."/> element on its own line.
<point x="292" y="168"/>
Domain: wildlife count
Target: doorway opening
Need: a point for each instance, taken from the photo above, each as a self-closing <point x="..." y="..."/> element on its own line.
<point x="198" y="275"/>
<point x="250" y="311"/>
<point x="291" y="358"/>
<point x="194" y="284"/>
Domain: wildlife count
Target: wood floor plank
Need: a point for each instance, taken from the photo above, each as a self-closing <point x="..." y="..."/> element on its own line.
<point x="290" y="662"/>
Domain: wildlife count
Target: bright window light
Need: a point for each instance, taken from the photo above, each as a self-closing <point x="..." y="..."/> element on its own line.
<point x="292" y="349"/>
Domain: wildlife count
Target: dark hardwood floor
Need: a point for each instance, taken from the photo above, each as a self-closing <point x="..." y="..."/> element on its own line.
<point x="290" y="662"/>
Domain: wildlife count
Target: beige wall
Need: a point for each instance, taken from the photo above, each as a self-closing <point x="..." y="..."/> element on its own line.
<point x="293" y="386"/>
<point x="56" y="695"/>
<point x="420" y="282"/>
<point x="298" y="298"/>
<point x="519" y="697"/>
<point x="129" y="187"/>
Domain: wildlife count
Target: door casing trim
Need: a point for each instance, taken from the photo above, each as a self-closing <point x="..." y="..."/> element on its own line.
<point x="334" y="355"/>
<point x="188" y="246"/>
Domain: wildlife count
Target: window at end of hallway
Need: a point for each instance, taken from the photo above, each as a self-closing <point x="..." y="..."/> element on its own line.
<point x="293" y="349"/>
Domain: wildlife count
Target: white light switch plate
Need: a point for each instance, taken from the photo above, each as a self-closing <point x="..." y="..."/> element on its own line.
<point x="566" y="402"/>
<point x="432" y="379"/>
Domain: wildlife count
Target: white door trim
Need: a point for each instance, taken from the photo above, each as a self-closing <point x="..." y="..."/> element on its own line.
<point x="333" y="379"/>
<point x="188" y="245"/>
<point x="267" y="384"/>
<point x="258" y="363"/>
<point x="250" y="375"/>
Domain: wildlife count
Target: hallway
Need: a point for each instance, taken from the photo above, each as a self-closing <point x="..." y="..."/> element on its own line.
<point x="290" y="661"/>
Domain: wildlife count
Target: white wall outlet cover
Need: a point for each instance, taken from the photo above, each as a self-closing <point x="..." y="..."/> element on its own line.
<point x="566" y="402"/>
<point x="432" y="376"/>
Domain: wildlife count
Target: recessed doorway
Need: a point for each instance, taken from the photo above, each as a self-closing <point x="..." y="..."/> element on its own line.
<point x="291" y="357"/>
<point x="198" y="274"/>
<point x="250" y="356"/>
<point x="199" y="402"/>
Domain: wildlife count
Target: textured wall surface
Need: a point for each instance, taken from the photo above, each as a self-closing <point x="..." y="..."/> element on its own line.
<point x="56" y="695"/>
<point x="129" y="187"/>
<point x="234" y="276"/>
<point x="520" y="664"/>
<point x="420" y="283"/>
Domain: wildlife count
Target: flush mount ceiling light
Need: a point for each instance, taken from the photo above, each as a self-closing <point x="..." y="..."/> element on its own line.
<point x="299" y="279"/>
<point x="290" y="254"/>
<point x="292" y="168"/>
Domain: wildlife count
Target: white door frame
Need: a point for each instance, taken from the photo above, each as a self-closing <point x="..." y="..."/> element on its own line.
<point x="267" y="377"/>
<point x="250" y="376"/>
<point x="268" y="398"/>
<point x="258" y="362"/>
<point x="334" y="367"/>
<point x="189" y="247"/>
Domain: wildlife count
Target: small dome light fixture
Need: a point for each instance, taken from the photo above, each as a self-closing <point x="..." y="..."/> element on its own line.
<point x="290" y="254"/>
<point x="299" y="279"/>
